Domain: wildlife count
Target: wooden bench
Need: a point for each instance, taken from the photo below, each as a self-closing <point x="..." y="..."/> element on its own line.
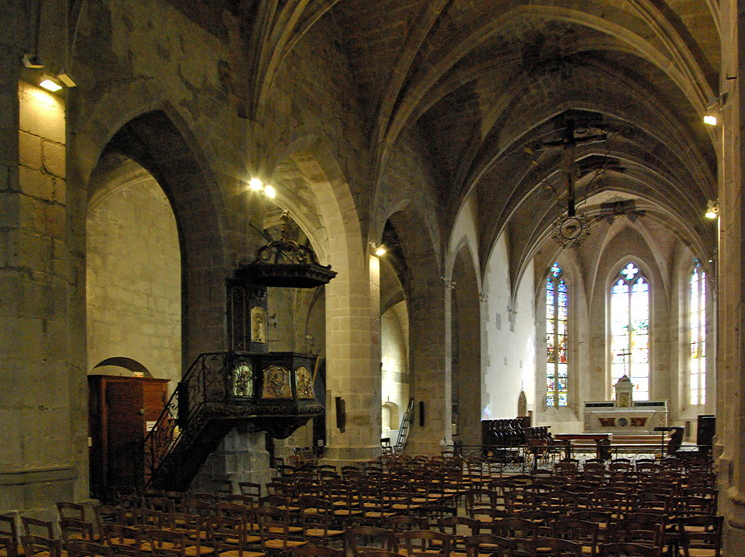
<point x="607" y="445"/>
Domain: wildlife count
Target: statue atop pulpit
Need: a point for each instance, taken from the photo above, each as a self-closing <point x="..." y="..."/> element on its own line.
<point x="624" y="392"/>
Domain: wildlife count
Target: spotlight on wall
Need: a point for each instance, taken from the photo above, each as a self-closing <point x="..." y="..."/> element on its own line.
<point x="714" y="108"/>
<point x="270" y="192"/>
<point x="50" y="83"/>
<point x="255" y="184"/>
<point x="378" y="250"/>
<point x="712" y="209"/>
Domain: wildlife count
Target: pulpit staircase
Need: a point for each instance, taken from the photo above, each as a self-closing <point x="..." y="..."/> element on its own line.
<point x="219" y="391"/>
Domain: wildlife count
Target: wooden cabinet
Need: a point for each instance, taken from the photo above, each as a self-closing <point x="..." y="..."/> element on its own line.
<point x="119" y="409"/>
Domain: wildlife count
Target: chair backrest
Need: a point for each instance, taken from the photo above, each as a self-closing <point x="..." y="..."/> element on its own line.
<point x="8" y="547"/>
<point x="249" y="488"/>
<point x="40" y="545"/>
<point x="628" y="550"/>
<point x="424" y="542"/>
<point x="166" y="543"/>
<point x="87" y="548"/>
<point x="489" y="544"/>
<point x="70" y="510"/>
<point x="375" y="552"/>
<point x="357" y="536"/>
<point x="701" y="533"/>
<point x="403" y="522"/>
<point x="75" y="529"/>
<point x="36" y="527"/>
<point x="8" y="528"/>
<point x="312" y="550"/>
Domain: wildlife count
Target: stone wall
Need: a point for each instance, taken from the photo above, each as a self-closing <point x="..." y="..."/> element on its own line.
<point x="134" y="279"/>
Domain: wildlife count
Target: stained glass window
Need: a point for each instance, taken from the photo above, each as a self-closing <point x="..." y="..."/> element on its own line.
<point x="697" y="328"/>
<point x="630" y="329"/>
<point x="557" y="359"/>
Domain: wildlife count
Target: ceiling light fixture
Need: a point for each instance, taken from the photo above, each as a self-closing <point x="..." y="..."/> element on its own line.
<point x="270" y="192"/>
<point x="712" y="209"/>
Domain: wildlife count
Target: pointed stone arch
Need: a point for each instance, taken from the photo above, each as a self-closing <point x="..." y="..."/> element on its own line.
<point x="161" y="143"/>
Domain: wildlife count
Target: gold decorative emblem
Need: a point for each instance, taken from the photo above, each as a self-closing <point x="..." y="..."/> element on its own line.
<point x="243" y="382"/>
<point x="277" y="383"/>
<point x="304" y="382"/>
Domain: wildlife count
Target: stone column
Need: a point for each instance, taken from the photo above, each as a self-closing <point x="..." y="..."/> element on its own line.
<point x="42" y="342"/>
<point x="429" y="314"/>
<point x="353" y="369"/>
<point x="730" y="435"/>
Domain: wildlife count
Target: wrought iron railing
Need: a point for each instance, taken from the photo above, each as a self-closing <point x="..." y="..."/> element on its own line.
<point x="204" y="383"/>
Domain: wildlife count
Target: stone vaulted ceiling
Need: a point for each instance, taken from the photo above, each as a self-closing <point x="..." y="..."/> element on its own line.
<point x="487" y="83"/>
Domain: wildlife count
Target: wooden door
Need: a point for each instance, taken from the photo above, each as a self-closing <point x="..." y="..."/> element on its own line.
<point x="125" y="433"/>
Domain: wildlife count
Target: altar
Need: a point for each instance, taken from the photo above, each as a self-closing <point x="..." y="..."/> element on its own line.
<point x="625" y="415"/>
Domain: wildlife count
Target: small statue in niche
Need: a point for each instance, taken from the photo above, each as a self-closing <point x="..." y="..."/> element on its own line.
<point x="258" y="325"/>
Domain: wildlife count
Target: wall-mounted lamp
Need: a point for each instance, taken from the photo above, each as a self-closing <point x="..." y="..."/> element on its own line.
<point x="49" y="83"/>
<point x="712" y="209"/>
<point x="257" y="185"/>
<point x="49" y="80"/>
<point x="376" y="250"/>
<point x="713" y="110"/>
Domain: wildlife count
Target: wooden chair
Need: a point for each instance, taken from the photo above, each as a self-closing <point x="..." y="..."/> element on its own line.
<point x="424" y="543"/>
<point x="455" y="526"/>
<point x="359" y="538"/>
<point x="40" y="546"/>
<point x="277" y="534"/>
<point x="87" y="548"/>
<point x="36" y="527"/>
<point x="374" y="552"/>
<point x="319" y="528"/>
<point x="123" y="540"/>
<point x="582" y="532"/>
<point x="196" y="532"/>
<point x="106" y="514"/>
<point x="312" y="550"/>
<point x="636" y="531"/>
<point x="700" y="536"/>
<point x="250" y="489"/>
<point x="485" y="545"/>
<point x="75" y="529"/>
<point x="628" y="550"/>
<point x="9" y="546"/>
<point x="165" y="543"/>
<point x="70" y="510"/>
<point x="229" y="538"/>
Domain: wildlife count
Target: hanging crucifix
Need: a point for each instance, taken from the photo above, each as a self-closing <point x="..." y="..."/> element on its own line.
<point x="571" y="230"/>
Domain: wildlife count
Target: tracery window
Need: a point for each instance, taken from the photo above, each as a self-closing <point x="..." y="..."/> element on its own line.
<point x="557" y="359"/>
<point x="697" y="328"/>
<point x="630" y="329"/>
